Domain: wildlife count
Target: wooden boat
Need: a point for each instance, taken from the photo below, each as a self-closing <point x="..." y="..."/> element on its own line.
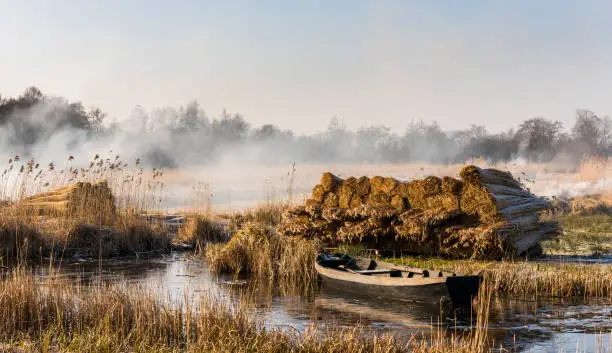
<point x="389" y="281"/>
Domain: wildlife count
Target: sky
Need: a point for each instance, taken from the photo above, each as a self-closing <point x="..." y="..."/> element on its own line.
<point x="296" y="64"/>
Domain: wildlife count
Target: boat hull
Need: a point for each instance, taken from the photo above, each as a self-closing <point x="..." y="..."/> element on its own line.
<point x="388" y="288"/>
<point x="461" y="289"/>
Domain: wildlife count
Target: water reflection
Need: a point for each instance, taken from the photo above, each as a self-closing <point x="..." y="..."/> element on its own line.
<point x="529" y="325"/>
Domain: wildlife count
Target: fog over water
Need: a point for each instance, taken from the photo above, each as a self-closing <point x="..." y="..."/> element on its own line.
<point x="243" y="163"/>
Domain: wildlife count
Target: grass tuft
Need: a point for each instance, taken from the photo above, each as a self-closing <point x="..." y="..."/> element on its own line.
<point x="201" y="230"/>
<point x="269" y="214"/>
<point x="258" y="250"/>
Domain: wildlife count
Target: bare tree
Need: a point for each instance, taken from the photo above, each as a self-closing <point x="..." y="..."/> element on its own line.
<point x="591" y="133"/>
<point x="537" y="137"/>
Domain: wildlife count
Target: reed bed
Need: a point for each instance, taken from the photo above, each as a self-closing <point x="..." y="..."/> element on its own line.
<point x="529" y="279"/>
<point x="547" y="280"/>
<point x="29" y="229"/>
<point x="55" y="316"/>
<point x="268" y="214"/>
<point x="257" y="249"/>
<point x="19" y="241"/>
<point x="201" y="230"/>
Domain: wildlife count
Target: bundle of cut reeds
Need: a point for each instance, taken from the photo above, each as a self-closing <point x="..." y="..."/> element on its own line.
<point x="82" y="200"/>
<point x="500" y="200"/>
<point x="486" y="214"/>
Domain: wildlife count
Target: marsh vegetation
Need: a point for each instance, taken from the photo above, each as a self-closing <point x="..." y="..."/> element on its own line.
<point x="46" y="314"/>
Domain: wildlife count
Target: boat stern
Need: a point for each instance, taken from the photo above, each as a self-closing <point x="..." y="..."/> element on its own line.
<point x="463" y="289"/>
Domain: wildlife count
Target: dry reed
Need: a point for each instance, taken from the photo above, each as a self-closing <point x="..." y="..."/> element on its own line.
<point x="200" y="230"/>
<point x="116" y="318"/>
<point x="269" y="214"/>
<point x="529" y="279"/>
<point x="114" y="228"/>
<point x="19" y="241"/>
<point x="258" y="250"/>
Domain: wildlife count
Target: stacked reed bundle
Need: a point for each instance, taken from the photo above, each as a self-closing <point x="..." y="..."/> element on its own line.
<point x="94" y="203"/>
<point x="486" y="214"/>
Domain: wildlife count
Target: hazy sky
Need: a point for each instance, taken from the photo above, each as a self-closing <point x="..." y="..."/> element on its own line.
<point x="298" y="63"/>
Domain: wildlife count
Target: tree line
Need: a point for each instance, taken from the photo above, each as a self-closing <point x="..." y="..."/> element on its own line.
<point x="187" y="135"/>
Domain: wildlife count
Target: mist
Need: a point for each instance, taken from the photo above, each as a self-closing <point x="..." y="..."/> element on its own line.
<point x="50" y="129"/>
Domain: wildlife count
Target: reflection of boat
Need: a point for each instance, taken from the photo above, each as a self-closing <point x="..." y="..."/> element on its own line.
<point x="351" y="308"/>
<point x="362" y="275"/>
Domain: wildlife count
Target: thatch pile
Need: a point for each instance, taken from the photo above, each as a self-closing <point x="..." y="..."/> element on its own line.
<point x="486" y="214"/>
<point x="82" y="200"/>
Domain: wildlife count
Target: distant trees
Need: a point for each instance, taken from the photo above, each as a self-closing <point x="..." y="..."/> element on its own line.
<point x="269" y="132"/>
<point x="33" y="117"/>
<point x="428" y="143"/>
<point x="57" y="111"/>
<point x="230" y="128"/>
<point x="376" y="143"/>
<point x="169" y="137"/>
<point x="537" y="138"/>
<point x="192" y="118"/>
<point x="592" y="134"/>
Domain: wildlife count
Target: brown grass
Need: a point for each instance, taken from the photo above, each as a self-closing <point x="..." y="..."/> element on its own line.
<point x="90" y="221"/>
<point x="591" y="204"/>
<point x="28" y="240"/>
<point x="200" y="230"/>
<point x="258" y="250"/>
<point x="20" y="242"/>
<point x="56" y="316"/>
<point x="269" y="214"/>
<point x="593" y="169"/>
<point x="528" y="279"/>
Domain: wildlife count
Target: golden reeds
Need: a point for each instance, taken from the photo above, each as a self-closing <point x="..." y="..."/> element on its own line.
<point x="199" y="230"/>
<point x="56" y="316"/>
<point x="258" y="250"/>
<point x="521" y="278"/>
<point x="93" y="211"/>
<point x="20" y="242"/>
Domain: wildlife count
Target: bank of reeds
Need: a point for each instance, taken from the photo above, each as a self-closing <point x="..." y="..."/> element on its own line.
<point x="30" y="230"/>
<point x="25" y="242"/>
<point x="257" y="249"/>
<point x="20" y="242"/>
<point x="529" y="279"/>
<point x="201" y="230"/>
<point x="268" y="213"/>
<point x="56" y="316"/>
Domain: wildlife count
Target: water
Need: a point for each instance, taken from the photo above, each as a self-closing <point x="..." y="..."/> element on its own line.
<point x="602" y="259"/>
<point x="545" y="325"/>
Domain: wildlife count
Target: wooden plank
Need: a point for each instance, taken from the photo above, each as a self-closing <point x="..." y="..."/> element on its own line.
<point x="377" y="272"/>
